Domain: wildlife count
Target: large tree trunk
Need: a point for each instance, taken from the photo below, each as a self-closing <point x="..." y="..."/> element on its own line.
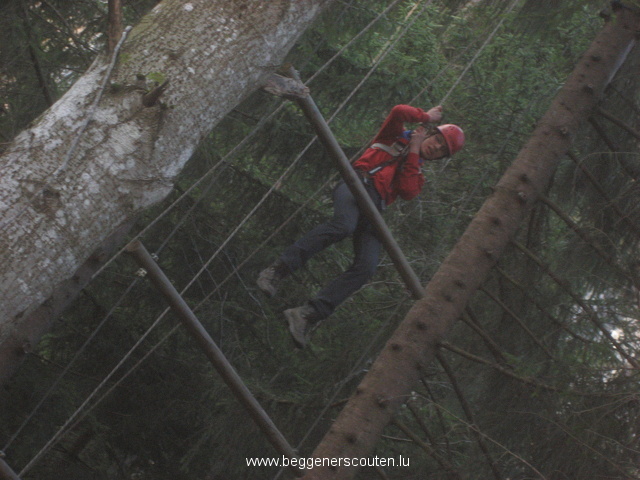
<point x="64" y="188"/>
<point x="396" y="371"/>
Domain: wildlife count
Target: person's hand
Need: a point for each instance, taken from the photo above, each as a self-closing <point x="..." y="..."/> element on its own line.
<point x="435" y="114"/>
<point x="417" y="137"/>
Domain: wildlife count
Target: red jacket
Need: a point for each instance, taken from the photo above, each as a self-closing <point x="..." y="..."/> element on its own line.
<point x="391" y="181"/>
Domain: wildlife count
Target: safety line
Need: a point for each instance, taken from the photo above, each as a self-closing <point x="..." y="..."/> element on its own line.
<point x="235" y="231"/>
<point x="229" y="238"/>
<point x="475" y="57"/>
<point x="241" y="144"/>
<point x="245" y="140"/>
<point x="46" y="395"/>
<point x="264" y="120"/>
<point x="294" y="163"/>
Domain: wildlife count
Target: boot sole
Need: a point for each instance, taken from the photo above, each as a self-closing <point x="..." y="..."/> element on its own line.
<point x="291" y="320"/>
<point x="267" y="291"/>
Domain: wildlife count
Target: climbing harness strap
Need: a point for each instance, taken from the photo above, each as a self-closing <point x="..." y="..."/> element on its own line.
<point x="397" y="151"/>
<point x="394" y="150"/>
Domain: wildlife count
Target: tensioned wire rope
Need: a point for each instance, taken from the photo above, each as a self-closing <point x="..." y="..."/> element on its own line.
<point x="456" y="83"/>
<point x="224" y="243"/>
<point x="375" y="339"/>
<point x="235" y="231"/>
<point x="365" y="354"/>
<point x="223" y="161"/>
<point x="354" y="372"/>
<point x="175" y="328"/>
<point x="245" y="140"/>
<point x="489" y="38"/>
<point x="156" y="322"/>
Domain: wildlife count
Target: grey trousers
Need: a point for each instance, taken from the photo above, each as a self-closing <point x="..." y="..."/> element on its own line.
<point x="347" y="221"/>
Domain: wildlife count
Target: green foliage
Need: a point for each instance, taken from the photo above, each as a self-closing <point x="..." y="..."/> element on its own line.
<point x="537" y="378"/>
<point x="156" y="77"/>
<point x="44" y="48"/>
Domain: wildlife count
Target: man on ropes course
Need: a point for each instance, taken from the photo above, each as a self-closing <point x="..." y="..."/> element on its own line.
<point x="389" y="168"/>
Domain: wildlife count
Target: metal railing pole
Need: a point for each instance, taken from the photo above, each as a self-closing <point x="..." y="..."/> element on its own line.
<point x="6" y="473"/>
<point x="354" y="183"/>
<point x="213" y="353"/>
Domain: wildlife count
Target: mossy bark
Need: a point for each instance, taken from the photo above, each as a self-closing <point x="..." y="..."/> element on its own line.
<point x="66" y="185"/>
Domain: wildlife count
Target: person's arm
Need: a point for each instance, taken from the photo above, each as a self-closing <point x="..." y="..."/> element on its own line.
<point x="409" y="178"/>
<point x="393" y="126"/>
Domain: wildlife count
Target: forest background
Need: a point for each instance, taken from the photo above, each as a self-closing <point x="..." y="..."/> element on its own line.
<point x="531" y="382"/>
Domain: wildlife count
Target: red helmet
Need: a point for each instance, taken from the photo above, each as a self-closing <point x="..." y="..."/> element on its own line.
<point x="453" y="135"/>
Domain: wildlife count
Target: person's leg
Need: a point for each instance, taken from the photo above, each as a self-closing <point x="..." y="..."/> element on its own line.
<point x="366" y="255"/>
<point x="367" y="250"/>
<point x="342" y="224"/>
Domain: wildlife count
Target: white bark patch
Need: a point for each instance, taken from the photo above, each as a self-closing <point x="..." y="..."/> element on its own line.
<point x="124" y="140"/>
<point x="70" y="113"/>
<point x="53" y="144"/>
<point x="107" y="116"/>
<point x="128" y="156"/>
<point x="23" y="286"/>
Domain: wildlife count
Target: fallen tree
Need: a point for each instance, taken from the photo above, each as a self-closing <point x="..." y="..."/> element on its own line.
<point x="114" y="143"/>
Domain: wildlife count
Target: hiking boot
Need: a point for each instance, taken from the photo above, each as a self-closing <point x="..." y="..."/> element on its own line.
<point x="300" y="321"/>
<point x="270" y="277"/>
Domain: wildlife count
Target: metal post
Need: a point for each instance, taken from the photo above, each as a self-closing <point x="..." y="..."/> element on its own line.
<point x="215" y="355"/>
<point x="5" y="470"/>
<point x="354" y="183"/>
